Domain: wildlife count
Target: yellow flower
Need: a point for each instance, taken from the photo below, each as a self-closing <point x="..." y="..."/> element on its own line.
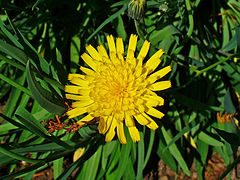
<point x="118" y="90"/>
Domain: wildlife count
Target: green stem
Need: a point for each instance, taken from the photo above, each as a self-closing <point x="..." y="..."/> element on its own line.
<point x="215" y="64"/>
<point x="190" y="18"/>
<point x="17" y="156"/>
<point x="140" y="33"/>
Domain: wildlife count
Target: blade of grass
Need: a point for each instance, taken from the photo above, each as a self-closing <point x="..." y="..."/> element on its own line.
<point x="15" y="84"/>
<point x="150" y="146"/>
<point x="13" y="155"/>
<point x="176" y="153"/>
<point x="140" y="162"/>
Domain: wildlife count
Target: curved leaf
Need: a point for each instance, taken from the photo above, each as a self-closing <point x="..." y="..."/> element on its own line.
<point x="46" y="99"/>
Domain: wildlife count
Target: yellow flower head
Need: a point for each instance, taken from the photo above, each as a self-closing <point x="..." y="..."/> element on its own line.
<point x="118" y="90"/>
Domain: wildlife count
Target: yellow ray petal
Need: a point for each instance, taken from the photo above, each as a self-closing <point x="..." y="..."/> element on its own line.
<point x="159" y="86"/>
<point x="79" y="82"/>
<point x="82" y="103"/>
<point x="134" y="133"/>
<point x="77" y="97"/>
<point x="157" y="55"/>
<point x="141" y="119"/>
<point x="111" y="132"/>
<point x="86" y="70"/>
<point x="120" y="133"/>
<point x="102" y="125"/>
<point x="152" y="125"/>
<point x="132" y="46"/>
<point x="129" y="120"/>
<point x="76" y="112"/>
<point x="93" y="52"/>
<point x="72" y="76"/>
<point x="159" y="74"/>
<point x="144" y="50"/>
<point x="153" y="101"/>
<point x="87" y="59"/>
<point x="154" y="61"/>
<point x="120" y="49"/>
<point x="152" y="64"/>
<point x="112" y="47"/>
<point x="108" y="123"/>
<point x="102" y="51"/>
<point x="72" y="89"/>
<point x="155" y="113"/>
<point x="87" y="118"/>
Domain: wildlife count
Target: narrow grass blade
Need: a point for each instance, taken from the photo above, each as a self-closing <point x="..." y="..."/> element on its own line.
<point x="209" y="139"/>
<point x="13" y="155"/>
<point x="176" y="153"/>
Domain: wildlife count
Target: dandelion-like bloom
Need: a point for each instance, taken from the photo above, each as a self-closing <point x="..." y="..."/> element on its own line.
<point x="118" y="90"/>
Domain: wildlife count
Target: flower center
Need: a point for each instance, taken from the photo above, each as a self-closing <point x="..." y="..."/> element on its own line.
<point x="114" y="89"/>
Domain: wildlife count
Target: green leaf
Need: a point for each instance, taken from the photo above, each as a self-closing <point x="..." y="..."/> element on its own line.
<point x="150" y="146"/>
<point x="88" y="154"/>
<point x="30" y="122"/>
<point x="121" y="29"/>
<point x="46" y="99"/>
<point x="166" y="156"/>
<point x="9" y="35"/>
<point x="232" y="138"/>
<point x="209" y="139"/>
<point x="90" y="167"/>
<point x="107" y="150"/>
<point x="6" y="150"/>
<point x="162" y="34"/>
<point x="179" y="135"/>
<point x="124" y="155"/>
<point x="175" y="152"/>
<point x="13" y="52"/>
<point x="46" y="147"/>
<point x="15" y="84"/>
<point x="228" y="104"/>
<point x="57" y="167"/>
<point x="141" y="152"/>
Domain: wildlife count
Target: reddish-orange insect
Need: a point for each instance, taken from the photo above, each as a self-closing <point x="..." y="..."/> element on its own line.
<point x="59" y="124"/>
<point x="224" y="118"/>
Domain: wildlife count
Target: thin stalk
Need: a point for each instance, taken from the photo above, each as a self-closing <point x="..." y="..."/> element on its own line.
<point x="215" y="64"/>
<point x="140" y="33"/>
